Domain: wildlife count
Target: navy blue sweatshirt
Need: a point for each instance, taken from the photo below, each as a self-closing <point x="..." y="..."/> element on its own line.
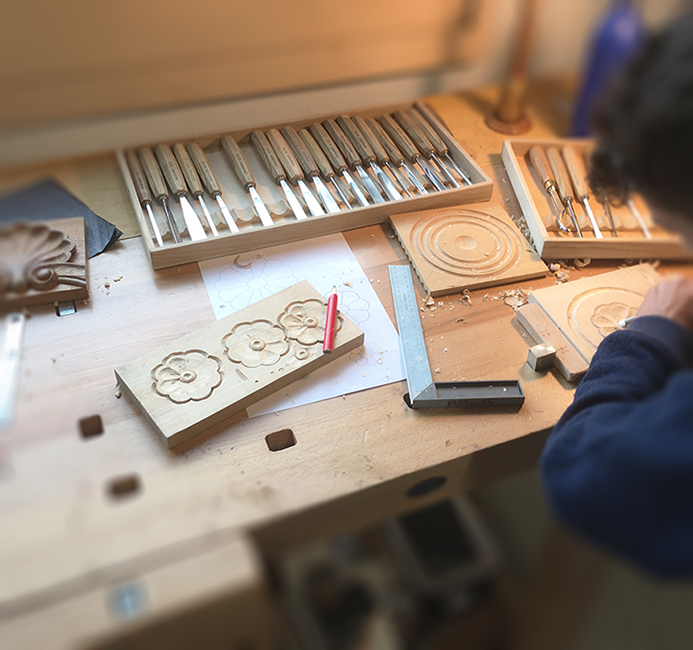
<point x="618" y="467"/>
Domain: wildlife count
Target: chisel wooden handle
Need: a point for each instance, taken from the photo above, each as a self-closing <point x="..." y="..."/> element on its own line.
<point x="189" y="173"/>
<point x="328" y="147"/>
<point x="540" y="162"/>
<point x="576" y="170"/>
<point x="300" y="151"/>
<point x="286" y="157"/>
<point x="237" y="161"/>
<point x="151" y="169"/>
<point x="378" y="149"/>
<point x="394" y="130"/>
<point x="342" y="142"/>
<point x="203" y="169"/>
<point x="414" y="132"/>
<point x="139" y="179"/>
<point x="269" y="158"/>
<point x="560" y="173"/>
<point x="423" y="124"/>
<point x="393" y="153"/>
<point x="316" y="153"/>
<point x="356" y="137"/>
<point x="171" y="170"/>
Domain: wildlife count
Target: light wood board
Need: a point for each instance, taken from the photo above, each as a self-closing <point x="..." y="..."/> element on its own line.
<point x="42" y="263"/>
<point x="588" y="310"/>
<point x="466" y="248"/>
<point x="198" y="380"/>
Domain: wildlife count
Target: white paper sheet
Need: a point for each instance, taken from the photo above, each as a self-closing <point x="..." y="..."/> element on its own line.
<point x="324" y="262"/>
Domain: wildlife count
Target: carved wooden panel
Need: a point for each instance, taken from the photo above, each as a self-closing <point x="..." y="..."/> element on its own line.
<point x="41" y="263"/>
<point x="589" y="309"/>
<point x="459" y="248"/>
<point x="202" y="378"/>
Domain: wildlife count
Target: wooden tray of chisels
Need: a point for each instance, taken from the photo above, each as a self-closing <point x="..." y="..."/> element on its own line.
<point x="566" y="220"/>
<point x="244" y="190"/>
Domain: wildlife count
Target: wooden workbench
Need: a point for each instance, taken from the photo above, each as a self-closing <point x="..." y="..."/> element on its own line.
<point x="83" y="516"/>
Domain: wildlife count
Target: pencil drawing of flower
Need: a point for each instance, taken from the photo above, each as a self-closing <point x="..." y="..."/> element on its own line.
<point x="305" y="321"/>
<point x="607" y="317"/>
<point x="354" y="307"/>
<point x="259" y="343"/>
<point x="186" y="376"/>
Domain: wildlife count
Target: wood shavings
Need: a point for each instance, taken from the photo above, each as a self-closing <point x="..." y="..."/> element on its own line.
<point x="436" y="371"/>
<point x="346" y="283"/>
<point x="514" y="298"/>
<point x="118" y="279"/>
<point x="247" y="265"/>
<point x="582" y="263"/>
<point x="460" y="320"/>
<point x="466" y="300"/>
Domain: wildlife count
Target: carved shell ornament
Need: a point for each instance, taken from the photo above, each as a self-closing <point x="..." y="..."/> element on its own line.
<point x="35" y="256"/>
<point x="259" y="343"/>
<point x="305" y="321"/>
<point x="186" y="376"/>
<point x="607" y="317"/>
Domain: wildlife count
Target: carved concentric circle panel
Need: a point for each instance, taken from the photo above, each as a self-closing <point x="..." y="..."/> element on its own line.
<point x="467" y="243"/>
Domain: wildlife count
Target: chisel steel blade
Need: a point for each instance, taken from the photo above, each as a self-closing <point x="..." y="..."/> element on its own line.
<point x="355" y="188"/>
<point x="260" y="208"/>
<point x="593" y="222"/>
<point x="325" y="195"/>
<point x="192" y="221"/>
<point x="387" y="184"/>
<point x="230" y="221"/>
<point x="293" y="202"/>
<point x="370" y="185"/>
<point x="312" y="203"/>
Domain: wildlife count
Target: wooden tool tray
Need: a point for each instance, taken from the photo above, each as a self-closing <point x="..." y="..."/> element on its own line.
<point x="540" y="213"/>
<point x="252" y="234"/>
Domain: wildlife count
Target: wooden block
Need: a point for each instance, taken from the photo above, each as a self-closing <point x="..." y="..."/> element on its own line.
<point x="462" y="248"/>
<point x="200" y="379"/>
<point x="541" y="357"/>
<point x="42" y="263"/>
<point x="589" y="309"/>
<point x="542" y="329"/>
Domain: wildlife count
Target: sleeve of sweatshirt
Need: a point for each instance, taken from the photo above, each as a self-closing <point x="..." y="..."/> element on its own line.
<point x="618" y="467"/>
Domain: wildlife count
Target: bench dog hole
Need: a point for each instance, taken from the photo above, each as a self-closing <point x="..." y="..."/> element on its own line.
<point x="91" y="426"/>
<point x="280" y="440"/>
<point x="124" y="486"/>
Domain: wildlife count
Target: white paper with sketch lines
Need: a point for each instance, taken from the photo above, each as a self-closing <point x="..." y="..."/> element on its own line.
<point x="234" y="282"/>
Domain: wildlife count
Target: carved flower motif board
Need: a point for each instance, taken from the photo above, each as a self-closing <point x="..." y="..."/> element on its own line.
<point x="202" y="378"/>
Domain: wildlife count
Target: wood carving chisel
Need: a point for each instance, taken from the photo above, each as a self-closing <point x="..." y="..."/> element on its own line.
<point x="577" y="172"/>
<point x="563" y="181"/>
<point x="378" y="150"/>
<point x="293" y="170"/>
<point x="193" y="182"/>
<point x="241" y="169"/>
<point x="540" y="162"/>
<point x="638" y="217"/>
<point x="610" y="217"/>
<point x="418" y="137"/>
<point x="276" y="171"/>
<point x="157" y="185"/>
<point x="394" y="154"/>
<point x="410" y="151"/>
<point x="367" y="155"/>
<point x="10" y="358"/>
<point x="337" y="161"/>
<point x="437" y="142"/>
<point x="310" y="168"/>
<point x="143" y="194"/>
<point x="210" y="182"/>
<point x="175" y="181"/>
<point x="352" y="158"/>
<point x="323" y="164"/>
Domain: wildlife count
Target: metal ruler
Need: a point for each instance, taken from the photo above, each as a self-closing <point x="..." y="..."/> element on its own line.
<point x="423" y="391"/>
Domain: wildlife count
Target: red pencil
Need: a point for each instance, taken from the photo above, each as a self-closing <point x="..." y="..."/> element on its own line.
<point x="330" y="322"/>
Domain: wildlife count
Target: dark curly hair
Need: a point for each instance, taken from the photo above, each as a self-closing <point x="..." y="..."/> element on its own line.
<point x="644" y="127"/>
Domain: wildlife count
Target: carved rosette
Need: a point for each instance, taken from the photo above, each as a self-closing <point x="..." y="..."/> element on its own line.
<point x="259" y="343"/>
<point x="186" y="376"/>
<point x="35" y="256"/>
<point x="304" y="322"/>
<point x="607" y="317"/>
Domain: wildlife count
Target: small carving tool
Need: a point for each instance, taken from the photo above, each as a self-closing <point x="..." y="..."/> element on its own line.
<point x="638" y="217"/>
<point x="336" y="159"/>
<point x="410" y="151"/>
<point x="143" y="194"/>
<point x="310" y="168"/>
<point x="210" y="182"/>
<point x="10" y="358"/>
<point x="241" y="169"/>
<point x="394" y="154"/>
<point x="626" y="321"/>
<point x="610" y="217"/>
<point x="423" y="144"/>
<point x="323" y="164"/>
<point x="577" y="172"/>
<point x="193" y="182"/>
<point x="158" y="187"/>
<point x="367" y="155"/>
<point x="274" y="167"/>
<point x="563" y="181"/>
<point x="378" y="150"/>
<point x="423" y="391"/>
<point x="330" y="322"/>
<point x="352" y="158"/>
<point x="175" y="181"/>
<point x="293" y="170"/>
<point x="440" y="146"/>
<point x="540" y="162"/>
